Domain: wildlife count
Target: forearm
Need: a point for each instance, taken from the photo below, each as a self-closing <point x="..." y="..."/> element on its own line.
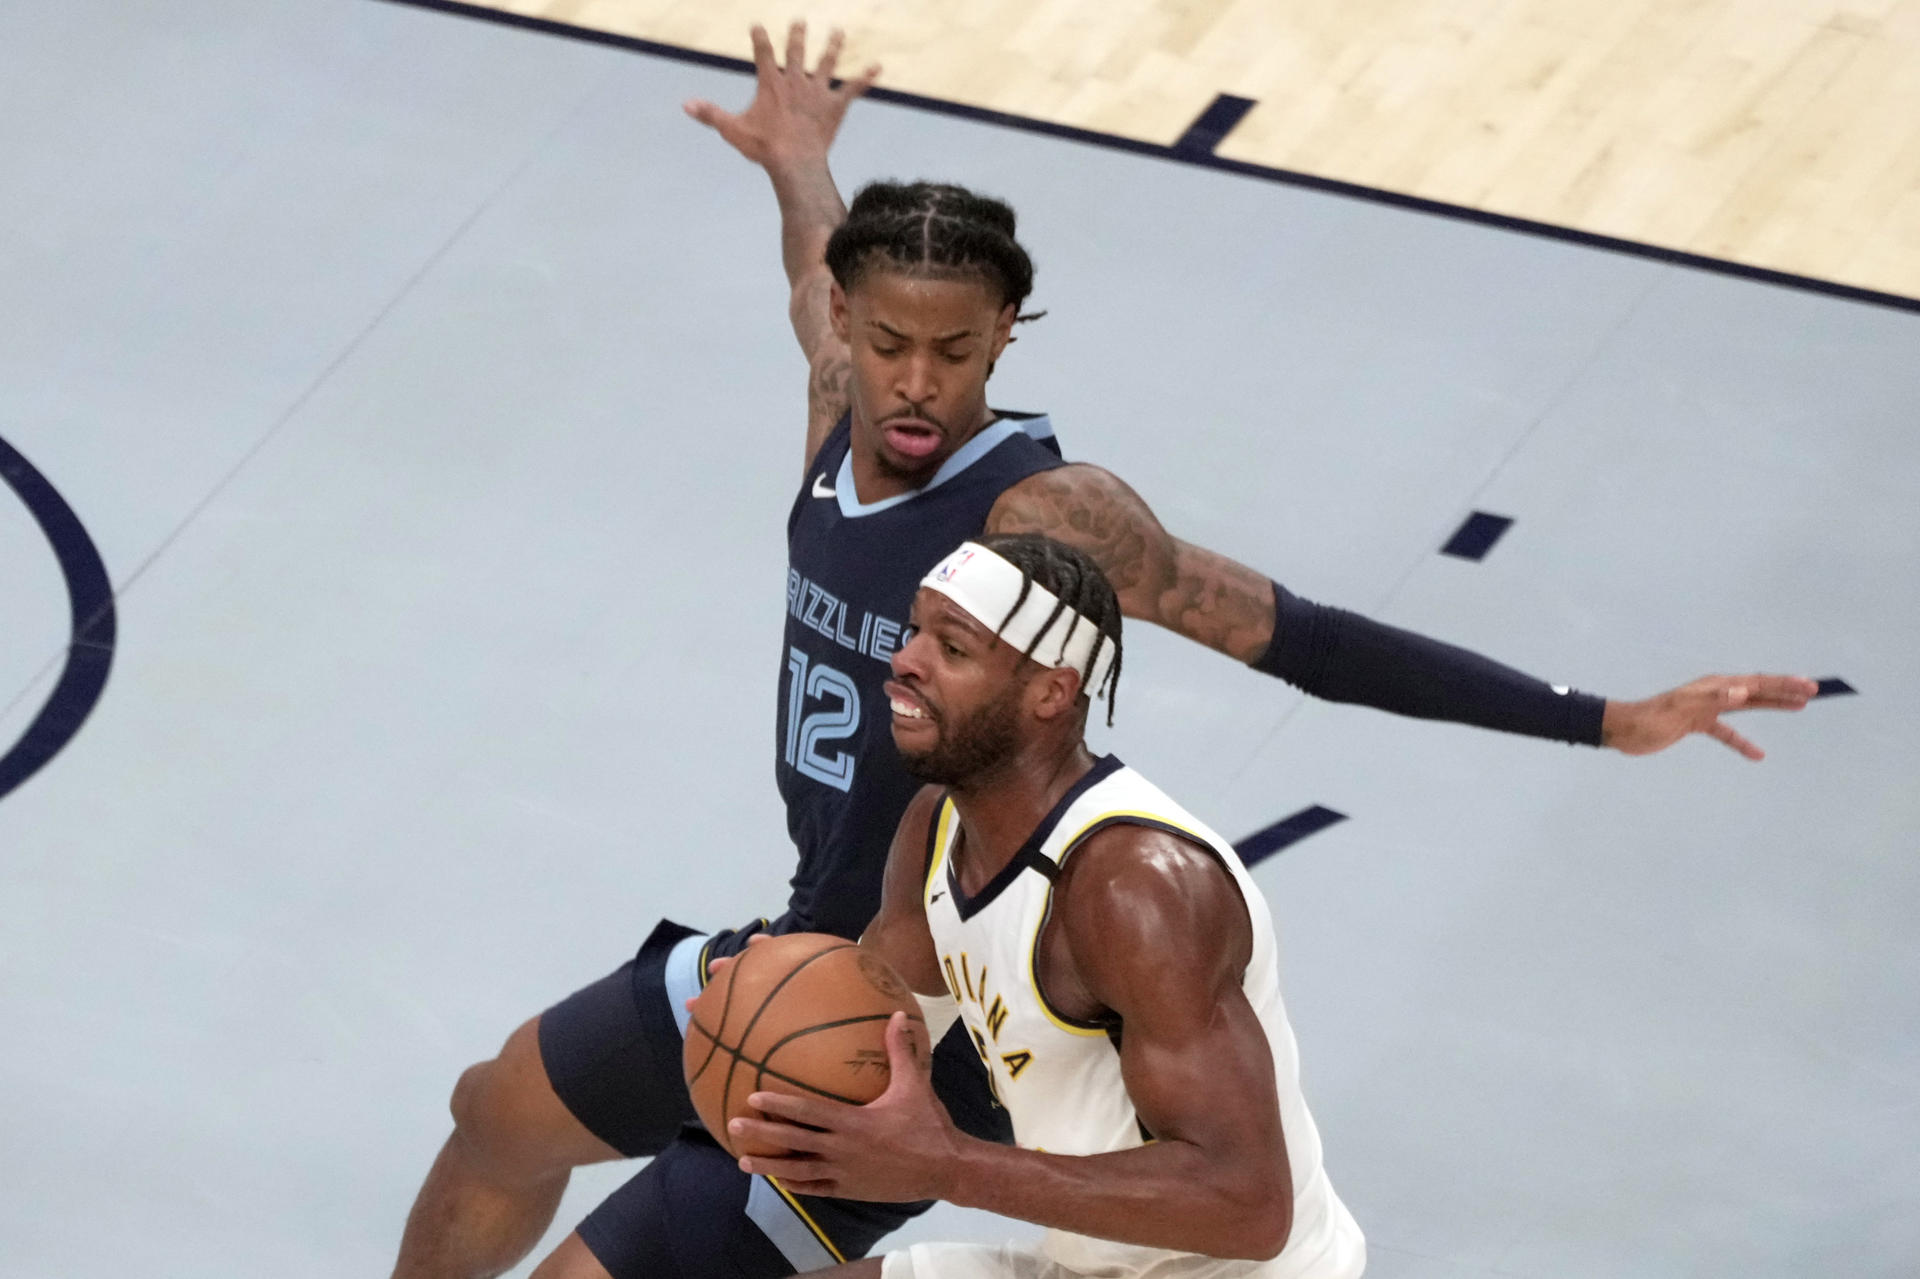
<point x="1342" y="657"/>
<point x="810" y="209"/>
<point x="1167" y="1194"/>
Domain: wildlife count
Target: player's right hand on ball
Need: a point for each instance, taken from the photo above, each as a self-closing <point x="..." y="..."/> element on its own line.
<point x="794" y="113"/>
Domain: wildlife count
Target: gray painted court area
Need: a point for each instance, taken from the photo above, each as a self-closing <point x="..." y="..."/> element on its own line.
<point x="427" y="388"/>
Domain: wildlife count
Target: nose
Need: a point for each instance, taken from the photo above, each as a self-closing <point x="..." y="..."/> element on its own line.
<point x="910" y="658"/>
<point x="917" y="384"/>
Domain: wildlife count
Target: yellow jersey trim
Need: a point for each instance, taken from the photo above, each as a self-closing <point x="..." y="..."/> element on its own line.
<point x="1033" y="946"/>
<point x="942" y="828"/>
<point x="810" y="1223"/>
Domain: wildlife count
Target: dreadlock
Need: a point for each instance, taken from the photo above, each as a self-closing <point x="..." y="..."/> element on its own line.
<point x="1071" y="575"/>
<point x="932" y="228"/>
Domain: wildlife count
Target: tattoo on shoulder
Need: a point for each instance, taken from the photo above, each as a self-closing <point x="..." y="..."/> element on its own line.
<point x="1095" y="511"/>
<point x="1197" y="593"/>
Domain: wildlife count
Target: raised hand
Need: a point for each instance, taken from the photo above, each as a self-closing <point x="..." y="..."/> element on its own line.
<point x="1641" y="728"/>
<point x="795" y="113"/>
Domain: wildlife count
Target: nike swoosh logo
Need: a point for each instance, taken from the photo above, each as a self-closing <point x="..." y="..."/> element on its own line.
<point x="936" y="897"/>
<point x="820" y="488"/>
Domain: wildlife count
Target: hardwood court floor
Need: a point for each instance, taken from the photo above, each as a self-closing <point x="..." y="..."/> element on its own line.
<point x="1776" y="133"/>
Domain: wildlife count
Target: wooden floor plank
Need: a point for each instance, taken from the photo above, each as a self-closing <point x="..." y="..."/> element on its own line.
<point x="1775" y="133"/>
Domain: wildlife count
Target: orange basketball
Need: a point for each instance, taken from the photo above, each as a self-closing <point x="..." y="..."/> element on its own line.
<point x="804" y="1013"/>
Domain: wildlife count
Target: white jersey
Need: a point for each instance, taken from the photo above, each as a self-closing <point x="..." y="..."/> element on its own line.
<point x="1060" y="1078"/>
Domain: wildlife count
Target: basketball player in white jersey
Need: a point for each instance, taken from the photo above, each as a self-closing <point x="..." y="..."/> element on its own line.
<point x="1110" y="955"/>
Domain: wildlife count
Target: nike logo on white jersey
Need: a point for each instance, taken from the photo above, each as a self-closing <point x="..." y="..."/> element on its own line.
<point x="820" y="488"/>
<point x="936" y="897"/>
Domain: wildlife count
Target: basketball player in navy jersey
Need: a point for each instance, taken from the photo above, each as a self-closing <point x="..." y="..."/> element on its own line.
<point x="902" y="305"/>
<point x="1108" y="954"/>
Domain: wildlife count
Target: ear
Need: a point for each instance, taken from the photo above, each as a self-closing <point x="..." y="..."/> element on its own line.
<point x="1002" y="331"/>
<point x="838" y="315"/>
<point x="1054" y="692"/>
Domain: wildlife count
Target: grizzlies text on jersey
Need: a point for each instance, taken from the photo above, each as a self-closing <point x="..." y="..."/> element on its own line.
<point x="852" y="571"/>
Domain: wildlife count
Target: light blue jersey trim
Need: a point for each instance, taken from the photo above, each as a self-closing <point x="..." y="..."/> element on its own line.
<point x="681" y="976"/>
<point x="784" y="1229"/>
<point x="990" y="438"/>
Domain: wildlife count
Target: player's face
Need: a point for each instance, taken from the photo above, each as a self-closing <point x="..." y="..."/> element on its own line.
<point x="921" y="349"/>
<point x="955" y="694"/>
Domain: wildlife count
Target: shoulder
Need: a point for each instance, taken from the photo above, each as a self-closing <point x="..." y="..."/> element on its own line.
<point x="913" y="838"/>
<point x="1070" y="482"/>
<point x="1133" y="893"/>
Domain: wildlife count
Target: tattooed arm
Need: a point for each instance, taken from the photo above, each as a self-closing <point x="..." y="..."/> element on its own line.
<point x="1208" y="598"/>
<point x="1341" y="656"/>
<point x="787" y="130"/>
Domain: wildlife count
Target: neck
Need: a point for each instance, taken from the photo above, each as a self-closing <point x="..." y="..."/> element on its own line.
<point x="874" y="483"/>
<point x="999" y="812"/>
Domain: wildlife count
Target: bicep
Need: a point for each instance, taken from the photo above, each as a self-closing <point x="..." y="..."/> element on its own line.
<point x="1161" y="936"/>
<point x="1190" y="590"/>
<point x="1204" y="1076"/>
<point x="827" y="398"/>
<point x="829" y="363"/>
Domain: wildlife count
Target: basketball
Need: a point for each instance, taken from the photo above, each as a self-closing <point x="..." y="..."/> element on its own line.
<point x="805" y="1013"/>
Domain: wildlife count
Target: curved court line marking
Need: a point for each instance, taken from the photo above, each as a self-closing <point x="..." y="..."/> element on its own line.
<point x="90" y="598"/>
<point x="1198" y="155"/>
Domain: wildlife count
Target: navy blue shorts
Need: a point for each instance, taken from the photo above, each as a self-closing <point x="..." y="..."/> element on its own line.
<point x="612" y="1053"/>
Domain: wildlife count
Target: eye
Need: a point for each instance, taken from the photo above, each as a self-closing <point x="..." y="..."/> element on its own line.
<point x="951" y="649"/>
<point x="887" y="351"/>
<point x="960" y="358"/>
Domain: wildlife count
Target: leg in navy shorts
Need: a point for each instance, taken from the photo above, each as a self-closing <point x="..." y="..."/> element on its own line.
<point x="612" y="1054"/>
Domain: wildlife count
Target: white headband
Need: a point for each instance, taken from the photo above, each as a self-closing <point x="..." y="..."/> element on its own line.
<point x="986" y="585"/>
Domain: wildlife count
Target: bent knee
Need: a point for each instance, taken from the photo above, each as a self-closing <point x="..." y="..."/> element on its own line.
<point x="507" y="1116"/>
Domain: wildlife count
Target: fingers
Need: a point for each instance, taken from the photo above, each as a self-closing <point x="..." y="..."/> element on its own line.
<point x="706" y="112"/>
<point x="1727" y="737"/>
<point x="767" y="1134"/>
<point x="904" y="1055"/>
<point x="797" y="47"/>
<point x="830" y="56"/>
<point x="763" y="63"/>
<point x="1781" y="692"/>
<point x="794" y="1174"/>
<point x="861" y="83"/>
<point x="815" y="1112"/>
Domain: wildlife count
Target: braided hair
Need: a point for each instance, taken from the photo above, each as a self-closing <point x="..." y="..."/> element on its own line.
<point x="1070" y="574"/>
<point x="936" y="229"/>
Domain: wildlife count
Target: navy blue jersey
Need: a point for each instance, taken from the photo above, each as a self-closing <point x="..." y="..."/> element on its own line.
<point x="852" y="571"/>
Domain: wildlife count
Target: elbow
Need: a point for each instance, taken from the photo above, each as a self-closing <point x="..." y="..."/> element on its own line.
<point x="1262" y="1223"/>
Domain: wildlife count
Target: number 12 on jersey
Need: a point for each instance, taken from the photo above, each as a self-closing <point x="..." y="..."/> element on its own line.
<point x="838" y="719"/>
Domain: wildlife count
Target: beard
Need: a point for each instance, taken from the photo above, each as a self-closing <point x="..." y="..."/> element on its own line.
<point x="971" y="748"/>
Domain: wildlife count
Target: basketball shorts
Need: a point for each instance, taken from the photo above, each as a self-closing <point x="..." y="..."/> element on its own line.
<point x="612" y="1052"/>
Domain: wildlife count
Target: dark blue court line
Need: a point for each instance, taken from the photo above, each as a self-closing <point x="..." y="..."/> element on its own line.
<point x="1476" y="536"/>
<point x="1214" y="124"/>
<point x="1285" y="833"/>
<point x="90" y="599"/>
<point x="1206" y="159"/>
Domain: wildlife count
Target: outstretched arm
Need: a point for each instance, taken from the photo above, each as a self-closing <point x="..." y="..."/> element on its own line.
<point x="787" y="130"/>
<point x="1341" y="656"/>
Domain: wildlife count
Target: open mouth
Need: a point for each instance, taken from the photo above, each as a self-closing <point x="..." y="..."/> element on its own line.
<point x="911" y="437"/>
<point x="906" y="704"/>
